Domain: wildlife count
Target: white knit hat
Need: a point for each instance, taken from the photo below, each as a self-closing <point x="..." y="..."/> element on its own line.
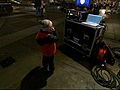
<point x="46" y="22"/>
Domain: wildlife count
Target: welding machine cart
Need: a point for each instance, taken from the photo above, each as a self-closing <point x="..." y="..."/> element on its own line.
<point x="82" y="37"/>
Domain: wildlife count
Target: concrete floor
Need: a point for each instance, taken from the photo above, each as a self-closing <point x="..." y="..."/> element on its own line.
<point x="69" y="73"/>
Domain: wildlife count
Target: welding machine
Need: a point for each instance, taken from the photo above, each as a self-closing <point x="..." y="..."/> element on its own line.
<point x="81" y="37"/>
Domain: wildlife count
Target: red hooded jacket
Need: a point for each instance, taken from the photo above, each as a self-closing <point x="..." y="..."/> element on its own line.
<point x="48" y="49"/>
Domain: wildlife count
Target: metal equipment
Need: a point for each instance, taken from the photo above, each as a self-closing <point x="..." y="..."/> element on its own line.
<point x="82" y="37"/>
<point x="76" y="15"/>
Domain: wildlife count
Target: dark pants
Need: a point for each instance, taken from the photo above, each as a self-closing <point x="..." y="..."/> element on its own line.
<point x="39" y="11"/>
<point x="48" y="63"/>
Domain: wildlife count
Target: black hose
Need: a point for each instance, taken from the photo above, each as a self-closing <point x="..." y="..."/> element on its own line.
<point x="105" y="77"/>
<point x="116" y="52"/>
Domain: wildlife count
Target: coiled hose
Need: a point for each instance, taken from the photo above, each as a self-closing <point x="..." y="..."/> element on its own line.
<point x="105" y="77"/>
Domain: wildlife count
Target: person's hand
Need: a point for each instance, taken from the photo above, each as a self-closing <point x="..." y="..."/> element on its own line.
<point x="51" y="29"/>
<point x="49" y="34"/>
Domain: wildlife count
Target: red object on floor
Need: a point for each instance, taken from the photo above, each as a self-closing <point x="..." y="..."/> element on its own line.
<point x="101" y="53"/>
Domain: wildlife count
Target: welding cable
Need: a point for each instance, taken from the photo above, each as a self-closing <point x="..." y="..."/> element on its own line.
<point x="116" y="52"/>
<point x="105" y="77"/>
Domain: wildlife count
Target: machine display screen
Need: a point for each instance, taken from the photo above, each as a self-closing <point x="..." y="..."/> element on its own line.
<point x="85" y="3"/>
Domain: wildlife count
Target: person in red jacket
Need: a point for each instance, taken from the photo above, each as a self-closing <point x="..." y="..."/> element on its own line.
<point x="47" y="38"/>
